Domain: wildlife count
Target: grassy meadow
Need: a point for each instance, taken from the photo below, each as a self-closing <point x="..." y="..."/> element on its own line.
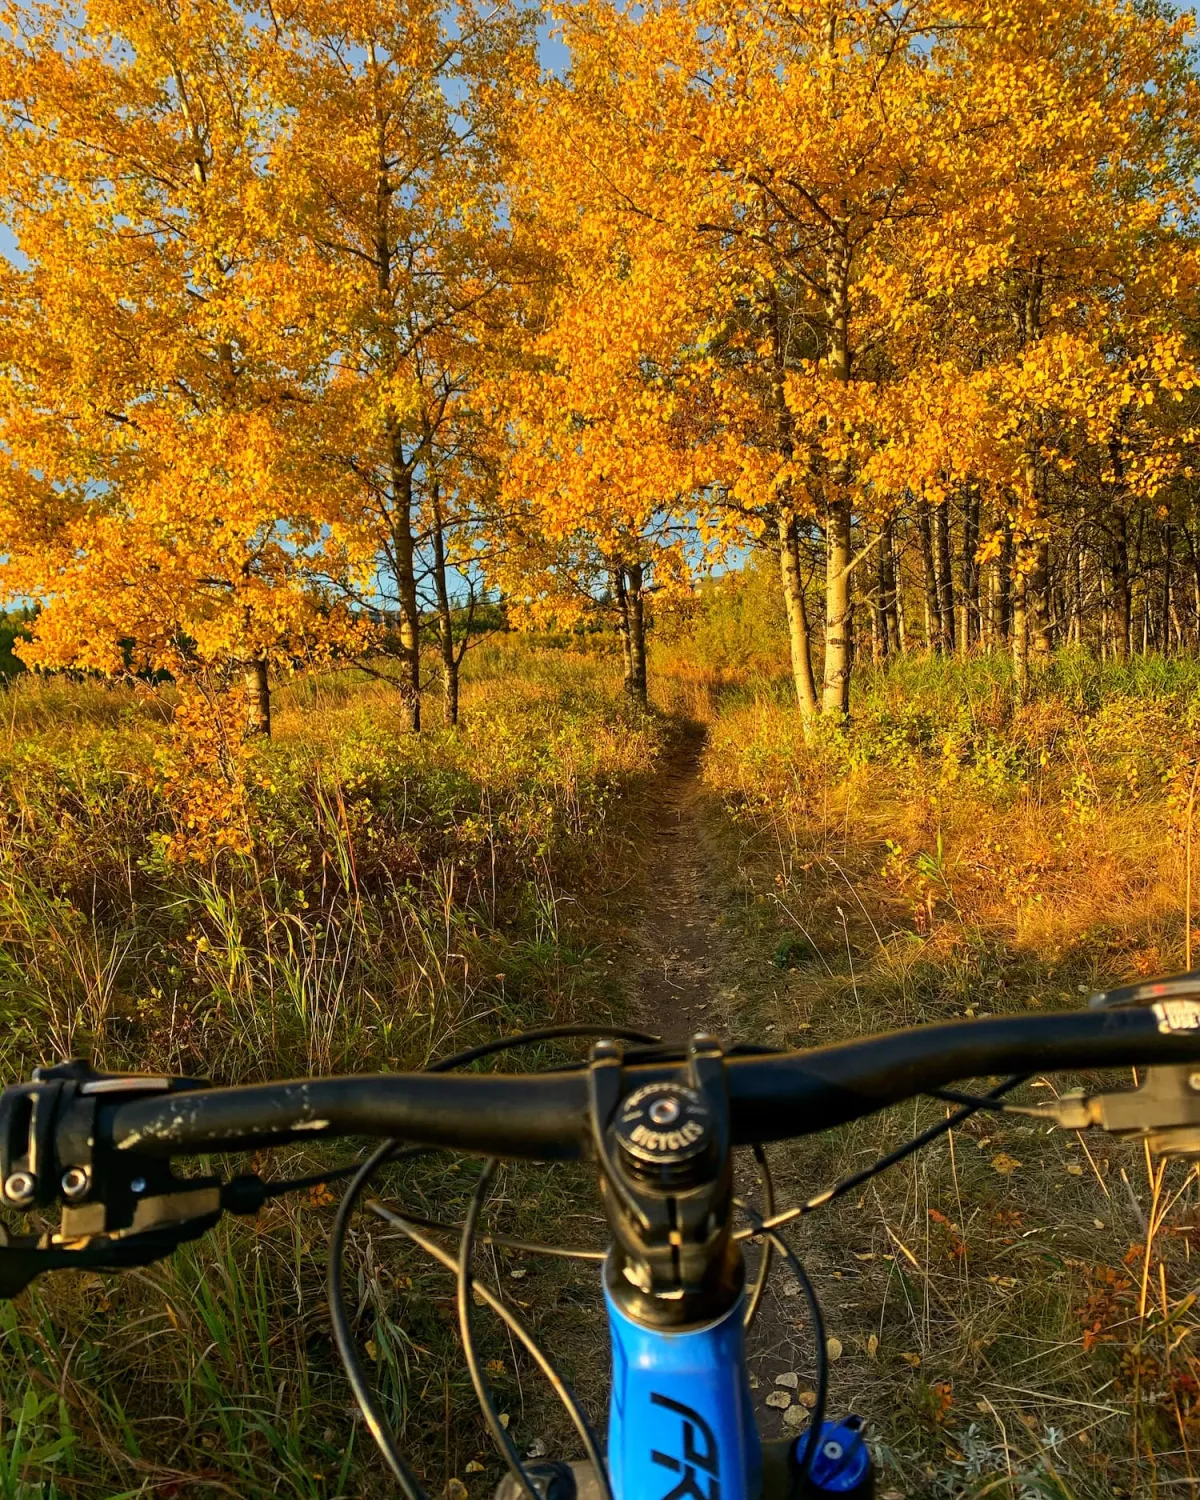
<point x="1014" y="1309"/>
<point x="1012" y="1301"/>
<point x="400" y="898"/>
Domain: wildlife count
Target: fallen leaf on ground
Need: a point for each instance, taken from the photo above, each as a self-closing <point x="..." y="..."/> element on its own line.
<point x="788" y="1378"/>
<point x="833" y="1348"/>
<point x="780" y="1400"/>
<point x="1004" y="1164"/>
<point x="911" y="1359"/>
<point x="872" y="1347"/>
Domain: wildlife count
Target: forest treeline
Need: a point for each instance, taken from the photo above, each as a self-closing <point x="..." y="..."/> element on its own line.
<point x="327" y="319"/>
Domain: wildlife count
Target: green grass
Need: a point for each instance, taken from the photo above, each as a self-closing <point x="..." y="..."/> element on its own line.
<point x="394" y="899"/>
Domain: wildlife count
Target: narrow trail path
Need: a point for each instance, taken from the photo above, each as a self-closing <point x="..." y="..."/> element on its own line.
<point x="675" y="938"/>
<point x="687" y="964"/>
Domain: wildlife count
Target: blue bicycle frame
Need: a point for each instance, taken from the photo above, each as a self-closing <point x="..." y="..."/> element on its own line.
<point x="681" y="1422"/>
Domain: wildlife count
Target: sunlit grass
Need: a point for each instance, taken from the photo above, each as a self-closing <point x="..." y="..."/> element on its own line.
<point x="399" y="897"/>
<point x="952" y="853"/>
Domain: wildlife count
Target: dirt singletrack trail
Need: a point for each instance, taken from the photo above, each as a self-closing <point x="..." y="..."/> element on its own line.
<point x="675" y="936"/>
<point x="686" y="963"/>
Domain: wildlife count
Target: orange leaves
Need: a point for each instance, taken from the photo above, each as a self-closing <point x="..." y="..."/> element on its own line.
<point x="298" y="298"/>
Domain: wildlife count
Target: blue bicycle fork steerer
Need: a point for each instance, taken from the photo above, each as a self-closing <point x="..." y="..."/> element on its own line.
<point x="681" y="1423"/>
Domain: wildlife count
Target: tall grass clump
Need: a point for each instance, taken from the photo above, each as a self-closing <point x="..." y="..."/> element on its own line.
<point x="1022" y="1312"/>
<point x="390" y="898"/>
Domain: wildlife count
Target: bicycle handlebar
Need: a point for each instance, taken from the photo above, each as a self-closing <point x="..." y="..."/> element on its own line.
<point x="544" y="1116"/>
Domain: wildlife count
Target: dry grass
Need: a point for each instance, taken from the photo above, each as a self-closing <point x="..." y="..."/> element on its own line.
<point x="396" y="898"/>
<point x="1016" y="1306"/>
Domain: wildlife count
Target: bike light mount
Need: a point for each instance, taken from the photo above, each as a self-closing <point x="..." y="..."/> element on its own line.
<point x="667" y="1184"/>
<point x="118" y="1209"/>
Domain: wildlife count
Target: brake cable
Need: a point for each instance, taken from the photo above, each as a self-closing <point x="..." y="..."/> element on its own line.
<point x="768" y="1249"/>
<point x="466" y="1335"/>
<point x="514" y="1323"/>
<point x="377" y="1423"/>
<point x="856" y="1179"/>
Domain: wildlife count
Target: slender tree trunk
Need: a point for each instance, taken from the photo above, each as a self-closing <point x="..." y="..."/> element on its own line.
<point x="788" y="537"/>
<point x="897" y="575"/>
<point x="1018" y="633"/>
<point x="797" y="617"/>
<point x="628" y="580"/>
<point x="1005" y="580"/>
<point x="839" y="617"/>
<point x="945" y="573"/>
<point x="1118" y="530"/>
<point x="971" y="612"/>
<point x="258" y="699"/>
<point x="1038" y="596"/>
<point x="1037" y="572"/>
<point x="1077" y="594"/>
<point x="404" y="555"/>
<point x="400" y="476"/>
<point x="880" y="638"/>
<point x="445" y="614"/>
<point x="624" y="623"/>
<point x="1195" y="557"/>
<point x="934" y="636"/>
<point x="637" y="632"/>
<point x="839" y="621"/>
<point x="1168" y="549"/>
<point x="1036" y="546"/>
<point x="891" y="598"/>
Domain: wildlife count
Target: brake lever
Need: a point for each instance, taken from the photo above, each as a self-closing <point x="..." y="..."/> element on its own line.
<point x="1164" y="1110"/>
<point x="118" y="1209"/>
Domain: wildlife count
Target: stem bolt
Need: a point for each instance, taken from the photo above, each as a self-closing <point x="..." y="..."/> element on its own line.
<point x="75" y="1182"/>
<point x="20" y="1187"/>
<point x="138" y="1185"/>
<point x="1194" y="1082"/>
<point x="667" y="1110"/>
